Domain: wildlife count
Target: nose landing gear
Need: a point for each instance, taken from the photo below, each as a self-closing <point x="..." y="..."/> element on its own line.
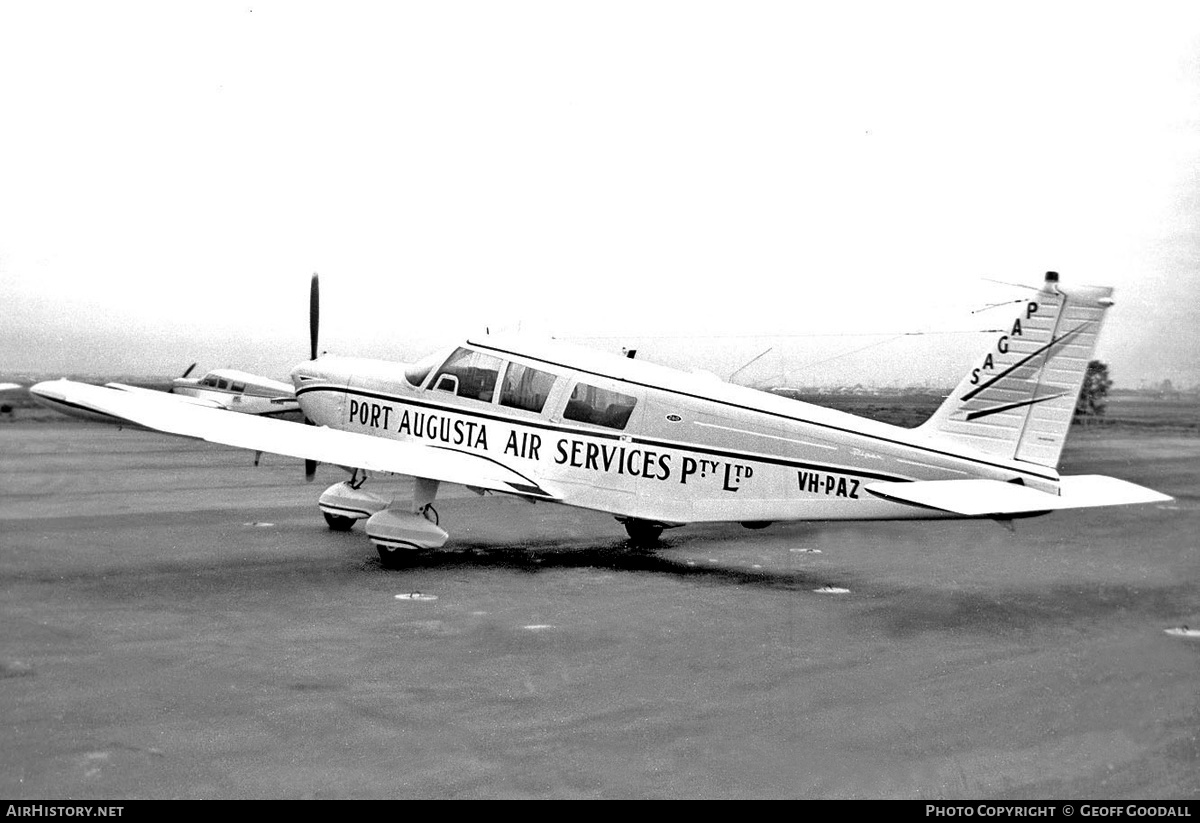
<point x="344" y="503"/>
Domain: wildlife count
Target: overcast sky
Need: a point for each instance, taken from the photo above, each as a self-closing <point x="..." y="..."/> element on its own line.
<point x="673" y="176"/>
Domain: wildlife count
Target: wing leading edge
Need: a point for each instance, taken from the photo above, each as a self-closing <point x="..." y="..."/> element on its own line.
<point x="319" y="443"/>
<point x="982" y="497"/>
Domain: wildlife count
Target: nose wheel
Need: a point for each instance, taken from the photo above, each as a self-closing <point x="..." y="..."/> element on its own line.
<point x="343" y="503"/>
<point x="339" y="523"/>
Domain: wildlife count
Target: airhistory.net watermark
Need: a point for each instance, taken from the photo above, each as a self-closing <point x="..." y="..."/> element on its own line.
<point x="43" y="810"/>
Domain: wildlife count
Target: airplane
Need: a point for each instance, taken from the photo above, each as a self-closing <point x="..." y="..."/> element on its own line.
<point x="238" y="391"/>
<point x="659" y="448"/>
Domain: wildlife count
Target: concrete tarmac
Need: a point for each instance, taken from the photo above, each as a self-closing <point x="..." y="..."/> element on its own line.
<point x="180" y="624"/>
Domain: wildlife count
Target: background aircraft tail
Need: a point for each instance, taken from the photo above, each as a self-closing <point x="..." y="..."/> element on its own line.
<point x="1019" y="400"/>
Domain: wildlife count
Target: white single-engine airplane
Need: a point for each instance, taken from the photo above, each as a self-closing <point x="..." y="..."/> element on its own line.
<point x="238" y="391"/>
<point x="659" y="448"/>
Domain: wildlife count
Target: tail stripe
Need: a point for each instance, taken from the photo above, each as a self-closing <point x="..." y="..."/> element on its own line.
<point x="975" y="415"/>
<point x="1054" y="342"/>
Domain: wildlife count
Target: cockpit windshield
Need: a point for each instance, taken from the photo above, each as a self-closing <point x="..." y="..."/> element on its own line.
<point x="417" y="372"/>
<point x="470" y="374"/>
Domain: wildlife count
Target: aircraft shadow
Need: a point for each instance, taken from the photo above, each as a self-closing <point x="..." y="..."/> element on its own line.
<point x="535" y="557"/>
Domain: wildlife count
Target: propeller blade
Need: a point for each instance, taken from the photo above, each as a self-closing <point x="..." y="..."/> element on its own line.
<point x="314" y="315"/>
<point x="314" y="323"/>
<point x="185" y="374"/>
<point x="310" y="466"/>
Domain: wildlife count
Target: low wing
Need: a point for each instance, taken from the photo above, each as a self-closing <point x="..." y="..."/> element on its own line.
<point x="980" y="497"/>
<point x="182" y="398"/>
<point x="165" y="414"/>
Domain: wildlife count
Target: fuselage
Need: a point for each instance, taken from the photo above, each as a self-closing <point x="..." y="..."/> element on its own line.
<point x="640" y="440"/>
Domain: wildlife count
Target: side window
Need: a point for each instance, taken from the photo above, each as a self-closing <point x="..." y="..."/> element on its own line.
<point x="240" y="388"/>
<point x="222" y="383"/>
<point x="469" y="374"/>
<point x="525" y="388"/>
<point x="592" y="404"/>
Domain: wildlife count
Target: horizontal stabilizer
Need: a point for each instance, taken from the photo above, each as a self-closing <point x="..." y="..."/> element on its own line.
<point x="981" y="497"/>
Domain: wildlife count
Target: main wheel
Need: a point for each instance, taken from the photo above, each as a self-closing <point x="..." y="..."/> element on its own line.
<point x="339" y="523"/>
<point x="643" y="534"/>
<point x="392" y="557"/>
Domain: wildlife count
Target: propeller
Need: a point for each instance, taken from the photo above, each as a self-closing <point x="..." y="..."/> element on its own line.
<point x="185" y="374"/>
<point x="314" y="323"/>
<point x="314" y="315"/>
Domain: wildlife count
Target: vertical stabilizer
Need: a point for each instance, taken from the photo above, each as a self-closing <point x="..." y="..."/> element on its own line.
<point x="1019" y="400"/>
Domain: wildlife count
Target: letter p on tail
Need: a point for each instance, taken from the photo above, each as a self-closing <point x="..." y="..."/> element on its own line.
<point x="1019" y="399"/>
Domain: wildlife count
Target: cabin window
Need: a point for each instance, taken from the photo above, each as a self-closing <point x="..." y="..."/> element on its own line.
<point x="469" y="374"/>
<point x="240" y="388"/>
<point x="525" y="387"/>
<point x="592" y="404"/>
<point x="222" y="384"/>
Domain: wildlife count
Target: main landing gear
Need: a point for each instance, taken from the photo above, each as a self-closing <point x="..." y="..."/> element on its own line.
<point x="397" y="530"/>
<point x="643" y="534"/>
<point x="394" y="531"/>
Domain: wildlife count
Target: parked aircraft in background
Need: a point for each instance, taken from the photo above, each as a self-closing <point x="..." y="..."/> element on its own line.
<point x="659" y="448"/>
<point x="239" y="391"/>
<point x="227" y="389"/>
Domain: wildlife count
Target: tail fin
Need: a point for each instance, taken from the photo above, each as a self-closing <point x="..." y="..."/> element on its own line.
<point x="1018" y="403"/>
